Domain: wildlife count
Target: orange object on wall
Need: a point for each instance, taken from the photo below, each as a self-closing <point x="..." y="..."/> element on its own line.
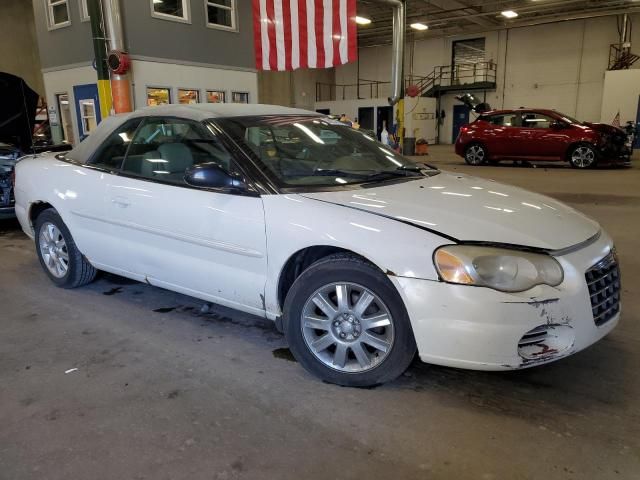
<point x="121" y="93"/>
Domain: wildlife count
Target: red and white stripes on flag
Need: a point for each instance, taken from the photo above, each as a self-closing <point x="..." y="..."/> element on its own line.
<point x="292" y="34"/>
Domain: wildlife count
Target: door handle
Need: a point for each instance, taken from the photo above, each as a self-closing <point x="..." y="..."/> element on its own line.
<point x="122" y="202"/>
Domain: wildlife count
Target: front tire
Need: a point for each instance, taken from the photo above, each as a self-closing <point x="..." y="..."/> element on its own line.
<point x="475" y="155"/>
<point x="58" y="254"/>
<point x="346" y="323"/>
<point x="583" y="155"/>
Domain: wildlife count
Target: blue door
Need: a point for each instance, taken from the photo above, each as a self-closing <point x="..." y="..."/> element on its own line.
<point x="87" y="108"/>
<point x="460" y="118"/>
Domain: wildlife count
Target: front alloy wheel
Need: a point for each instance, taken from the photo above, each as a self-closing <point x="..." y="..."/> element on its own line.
<point x="475" y="155"/>
<point x="583" y="156"/>
<point x="347" y="327"/>
<point x="346" y="323"/>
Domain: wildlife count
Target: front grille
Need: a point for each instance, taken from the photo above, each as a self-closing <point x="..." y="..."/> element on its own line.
<point x="603" y="280"/>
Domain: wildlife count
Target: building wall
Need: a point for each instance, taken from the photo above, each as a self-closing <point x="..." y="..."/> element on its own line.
<point x="63" y="46"/>
<point x="293" y="89"/>
<point x="155" y="74"/>
<point x="18" y="45"/>
<point x="560" y="65"/>
<point x="621" y="95"/>
<point x="62" y="81"/>
<point x="149" y="36"/>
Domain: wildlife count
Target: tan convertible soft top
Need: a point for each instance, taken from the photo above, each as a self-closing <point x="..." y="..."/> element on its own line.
<point x="199" y="112"/>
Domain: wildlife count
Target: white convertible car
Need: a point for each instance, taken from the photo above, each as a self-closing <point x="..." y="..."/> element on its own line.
<point x="359" y="255"/>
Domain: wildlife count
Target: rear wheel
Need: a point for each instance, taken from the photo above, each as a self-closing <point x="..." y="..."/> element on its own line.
<point x="345" y="323"/>
<point x="583" y="155"/>
<point x="475" y="154"/>
<point x="58" y="254"/>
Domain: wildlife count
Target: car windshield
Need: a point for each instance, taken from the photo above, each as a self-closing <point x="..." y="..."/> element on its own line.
<point x="314" y="151"/>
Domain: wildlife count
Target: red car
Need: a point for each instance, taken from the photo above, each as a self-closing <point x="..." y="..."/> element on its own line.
<point x="531" y="134"/>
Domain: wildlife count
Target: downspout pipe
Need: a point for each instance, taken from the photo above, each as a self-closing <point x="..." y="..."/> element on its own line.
<point x="397" y="56"/>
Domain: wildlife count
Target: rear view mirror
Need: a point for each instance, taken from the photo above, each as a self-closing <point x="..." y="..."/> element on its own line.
<point x="212" y="175"/>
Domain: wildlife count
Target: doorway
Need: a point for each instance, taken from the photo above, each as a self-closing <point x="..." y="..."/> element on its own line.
<point x="66" y="123"/>
<point x="384" y="118"/>
<point x="87" y="108"/>
<point x="460" y="118"/>
<point x="365" y="117"/>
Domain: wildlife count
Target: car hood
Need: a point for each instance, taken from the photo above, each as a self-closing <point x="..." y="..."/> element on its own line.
<point x="467" y="208"/>
<point x="604" y="128"/>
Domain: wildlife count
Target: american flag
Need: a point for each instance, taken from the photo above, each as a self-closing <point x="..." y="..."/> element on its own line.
<point x="292" y="34"/>
<point x="616" y="120"/>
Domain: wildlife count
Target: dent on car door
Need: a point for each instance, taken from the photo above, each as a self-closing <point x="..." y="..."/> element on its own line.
<point x="209" y="244"/>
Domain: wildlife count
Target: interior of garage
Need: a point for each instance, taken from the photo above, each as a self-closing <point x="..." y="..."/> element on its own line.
<point x="123" y="379"/>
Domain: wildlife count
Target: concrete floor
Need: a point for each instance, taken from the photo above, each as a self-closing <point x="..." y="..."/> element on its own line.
<point x="162" y="391"/>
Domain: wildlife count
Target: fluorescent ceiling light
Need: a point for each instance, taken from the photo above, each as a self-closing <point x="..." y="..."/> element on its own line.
<point x="419" y="26"/>
<point x="362" y="21"/>
<point x="509" y="14"/>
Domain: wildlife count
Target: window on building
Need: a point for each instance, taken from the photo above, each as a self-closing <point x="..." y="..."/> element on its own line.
<point x="158" y="96"/>
<point x="84" y="11"/>
<point x="221" y="14"/>
<point x="239" y="97"/>
<point x="187" y="96"/>
<point x="466" y="55"/>
<point x="88" y="116"/>
<point x="176" y="10"/>
<point x="164" y="149"/>
<point x="110" y="154"/>
<point x="58" y="13"/>
<point x="215" y="96"/>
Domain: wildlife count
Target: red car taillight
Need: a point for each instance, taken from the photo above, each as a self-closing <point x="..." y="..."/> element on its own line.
<point x="464" y="129"/>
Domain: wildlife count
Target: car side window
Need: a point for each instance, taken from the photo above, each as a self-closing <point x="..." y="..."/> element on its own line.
<point x="536" y="120"/>
<point x="111" y="153"/>
<point x="507" y="120"/>
<point x="164" y="149"/>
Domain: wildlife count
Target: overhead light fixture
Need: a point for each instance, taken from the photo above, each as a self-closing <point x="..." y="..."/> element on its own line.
<point x="509" y="14"/>
<point x="419" y="26"/>
<point x="363" y="21"/>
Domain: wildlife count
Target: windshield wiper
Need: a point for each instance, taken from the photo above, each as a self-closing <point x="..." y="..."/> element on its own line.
<point x="331" y="172"/>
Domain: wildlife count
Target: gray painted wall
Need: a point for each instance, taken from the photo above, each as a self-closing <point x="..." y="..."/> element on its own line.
<point x="63" y="46"/>
<point x="147" y="36"/>
<point x="18" y="47"/>
<point x="153" y="37"/>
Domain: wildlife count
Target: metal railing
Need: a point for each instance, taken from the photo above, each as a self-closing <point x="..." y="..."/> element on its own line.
<point x="443" y="77"/>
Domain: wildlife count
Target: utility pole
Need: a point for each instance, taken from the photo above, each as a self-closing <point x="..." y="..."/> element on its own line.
<point x="100" y="52"/>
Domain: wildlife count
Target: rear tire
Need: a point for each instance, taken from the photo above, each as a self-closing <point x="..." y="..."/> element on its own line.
<point x="583" y="155"/>
<point x="58" y="254"/>
<point x="476" y="155"/>
<point x="346" y="323"/>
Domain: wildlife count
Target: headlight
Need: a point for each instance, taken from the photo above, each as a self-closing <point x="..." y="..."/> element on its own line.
<point x="498" y="268"/>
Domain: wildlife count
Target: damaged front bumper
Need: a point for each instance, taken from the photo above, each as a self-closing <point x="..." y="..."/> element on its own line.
<point x="483" y="329"/>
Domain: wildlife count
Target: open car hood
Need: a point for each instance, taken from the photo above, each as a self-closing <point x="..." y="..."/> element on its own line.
<point x="466" y="208"/>
<point x="17" y="115"/>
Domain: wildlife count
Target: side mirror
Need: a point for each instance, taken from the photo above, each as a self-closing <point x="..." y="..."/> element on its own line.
<point x="558" y="125"/>
<point x="212" y="175"/>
